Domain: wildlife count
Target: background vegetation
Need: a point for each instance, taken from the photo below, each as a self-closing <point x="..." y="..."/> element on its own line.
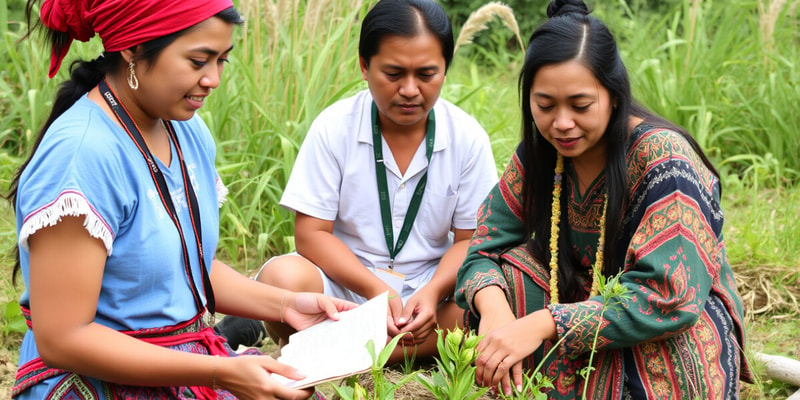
<point x="727" y="71"/>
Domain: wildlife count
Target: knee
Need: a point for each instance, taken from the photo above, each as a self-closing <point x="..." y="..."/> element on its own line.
<point x="291" y="272"/>
<point x="450" y="315"/>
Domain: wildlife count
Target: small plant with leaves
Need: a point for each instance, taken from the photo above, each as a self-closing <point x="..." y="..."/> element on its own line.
<point x="382" y="388"/>
<point x="408" y="361"/>
<point x="533" y="385"/>
<point x="455" y="374"/>
<point x="612" y="292"/>
<point x="11" y="319"/>
<point x="352" y="390"/>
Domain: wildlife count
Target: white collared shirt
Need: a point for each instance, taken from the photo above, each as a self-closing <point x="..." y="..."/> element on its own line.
<point x="334" y="179"/>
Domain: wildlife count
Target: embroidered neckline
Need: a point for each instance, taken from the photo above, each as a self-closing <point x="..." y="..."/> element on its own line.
<point x="554" y="231"/>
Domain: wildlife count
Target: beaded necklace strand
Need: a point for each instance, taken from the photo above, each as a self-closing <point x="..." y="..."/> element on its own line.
<point x="554" y="220"/>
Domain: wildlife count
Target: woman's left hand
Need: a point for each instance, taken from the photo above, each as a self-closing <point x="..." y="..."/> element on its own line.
<point x="501" y="351"/>
<point x="303" y="310"/>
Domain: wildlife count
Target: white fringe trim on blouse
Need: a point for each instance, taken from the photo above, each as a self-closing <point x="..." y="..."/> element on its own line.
<point x="68" y="203"/>
<point x="222" y="192"/>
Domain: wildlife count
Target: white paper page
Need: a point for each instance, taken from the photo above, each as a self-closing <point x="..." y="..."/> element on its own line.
<point x="337" y="348"/>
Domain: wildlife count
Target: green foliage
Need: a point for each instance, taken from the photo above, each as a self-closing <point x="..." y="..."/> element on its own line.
<point x="354" y="392"/>
<point x="704" y="67"/>
<point x="534" y="382"/>
<point x="717" y="70"/>
<point x="533" y="385"/>
<point x="529" y="15"/>
<point x="12" y="12"/>
<point x="496" y="46"/>
<point x="382" y="388"/>
<point x="454" y="377"/>
<point x="287" y="66"/>
<point x="11" y="319"/>
<point x="408" y="360"/>
<point x="762" y="228"/>
<point x="26" y="93"/>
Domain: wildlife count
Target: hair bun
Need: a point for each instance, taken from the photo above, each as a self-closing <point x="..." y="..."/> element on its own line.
<point x="557" y="8"/>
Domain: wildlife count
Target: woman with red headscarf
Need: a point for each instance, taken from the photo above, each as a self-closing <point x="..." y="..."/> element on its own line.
<point x="118" y="214"/>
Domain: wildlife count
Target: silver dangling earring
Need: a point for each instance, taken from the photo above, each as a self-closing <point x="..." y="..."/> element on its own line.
<point x="133" y="81"/>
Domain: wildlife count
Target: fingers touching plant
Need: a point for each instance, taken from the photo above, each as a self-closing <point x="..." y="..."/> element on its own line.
<point x="534" y="383"/>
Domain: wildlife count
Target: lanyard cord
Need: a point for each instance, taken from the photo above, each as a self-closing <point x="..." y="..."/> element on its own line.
<point x="383" y="190"/>
<point x="163" y="192"/>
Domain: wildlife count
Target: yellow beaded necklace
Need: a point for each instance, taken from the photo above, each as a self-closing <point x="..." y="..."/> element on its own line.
<point x="554" y="219"/>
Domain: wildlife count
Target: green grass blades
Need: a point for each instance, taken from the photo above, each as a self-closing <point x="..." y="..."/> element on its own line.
<point x="382" y="388"/>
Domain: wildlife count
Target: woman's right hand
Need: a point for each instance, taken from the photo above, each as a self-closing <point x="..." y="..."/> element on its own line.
<point x="501" y="352"/>
<point x="303" y="310"/>
<point x="495" y="314"/>
<point x="248" y="378"/>
<point x="495" y="319"/>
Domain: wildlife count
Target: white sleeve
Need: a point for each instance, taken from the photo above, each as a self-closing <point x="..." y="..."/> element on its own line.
<point x="313" y="186"/>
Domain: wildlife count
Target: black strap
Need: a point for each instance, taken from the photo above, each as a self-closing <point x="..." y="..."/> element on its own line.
<point x="383" y="190"/>
<point x="163" y="192"/>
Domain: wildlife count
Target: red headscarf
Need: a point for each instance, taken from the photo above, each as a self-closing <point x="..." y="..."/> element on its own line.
<point x="122" y="24"/>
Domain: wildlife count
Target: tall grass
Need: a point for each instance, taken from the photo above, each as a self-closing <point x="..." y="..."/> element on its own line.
<point x="476" y="87"/>
<point x="478" y="21"/>
<point x="728" y="72"/>
<point x="291" y="60"/>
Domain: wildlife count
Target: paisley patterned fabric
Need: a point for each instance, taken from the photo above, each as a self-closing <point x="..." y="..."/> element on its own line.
<point x="679" y="333"/>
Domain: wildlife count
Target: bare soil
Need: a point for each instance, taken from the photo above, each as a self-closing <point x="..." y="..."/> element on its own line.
<point x="8" y="365"/>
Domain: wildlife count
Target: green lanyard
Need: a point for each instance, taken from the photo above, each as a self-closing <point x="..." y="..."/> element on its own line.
<point x="383" y="190"/>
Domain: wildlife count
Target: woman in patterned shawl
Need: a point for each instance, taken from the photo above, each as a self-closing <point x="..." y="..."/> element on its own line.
<point x="601" y="185"/>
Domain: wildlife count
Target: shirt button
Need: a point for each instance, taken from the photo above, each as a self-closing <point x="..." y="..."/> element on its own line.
<point x="402" y="186"/>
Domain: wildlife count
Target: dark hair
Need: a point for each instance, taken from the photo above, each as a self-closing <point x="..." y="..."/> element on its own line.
<point x="85" y="75"/>
<point x="402" y="18"/>
<point x="571" y="33"/>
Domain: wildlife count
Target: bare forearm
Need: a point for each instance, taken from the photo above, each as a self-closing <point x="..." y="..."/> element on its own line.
<point x="541" y="323"/>
<point x="239" y="295"/>
<point x="491" y="300"/>
<point x="492" y="305"/>
<point x="493" y="309"/>
<point x="100" y="352"/>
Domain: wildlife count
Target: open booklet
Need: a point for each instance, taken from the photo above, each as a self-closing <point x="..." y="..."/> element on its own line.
<point x="337" y="349"/>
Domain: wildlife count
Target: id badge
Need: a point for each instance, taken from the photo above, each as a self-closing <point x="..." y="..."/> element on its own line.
<point x="392" y="278"/>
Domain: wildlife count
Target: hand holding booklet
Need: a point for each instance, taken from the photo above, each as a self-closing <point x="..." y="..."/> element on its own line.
<point x="337" y="349"/>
